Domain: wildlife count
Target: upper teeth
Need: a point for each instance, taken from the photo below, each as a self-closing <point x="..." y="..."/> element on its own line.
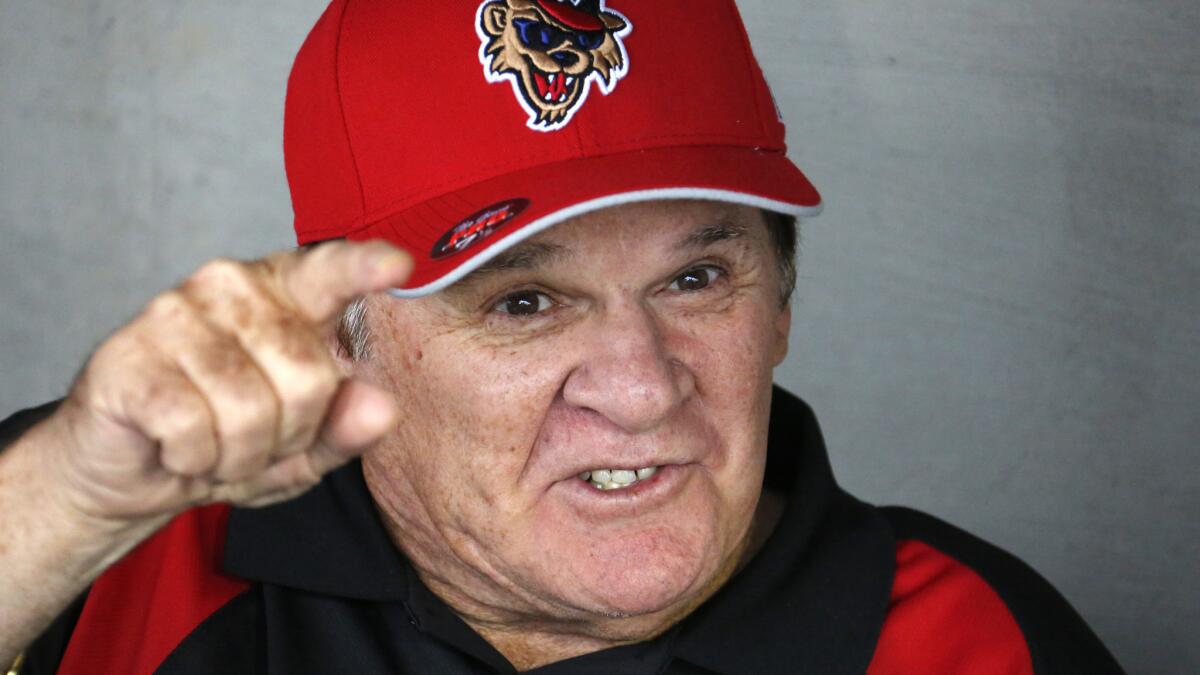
<point x="614" y="479"/>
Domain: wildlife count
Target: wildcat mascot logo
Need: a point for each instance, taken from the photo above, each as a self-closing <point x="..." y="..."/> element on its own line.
<point x="552" y="51"/>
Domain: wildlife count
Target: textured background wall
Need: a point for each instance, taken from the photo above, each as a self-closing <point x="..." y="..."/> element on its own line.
<point x="998" y="317"/>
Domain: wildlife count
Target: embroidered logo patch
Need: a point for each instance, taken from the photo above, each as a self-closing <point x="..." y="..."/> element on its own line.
<point x="477" y="227"/>
<point x="552" y="51"/>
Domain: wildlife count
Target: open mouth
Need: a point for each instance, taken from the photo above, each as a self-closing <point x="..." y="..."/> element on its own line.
<point x="617" y="479"/>
<point x="553" y="87"/>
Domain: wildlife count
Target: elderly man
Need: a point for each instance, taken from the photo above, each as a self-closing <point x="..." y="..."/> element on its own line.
<point x="544" y="284"/>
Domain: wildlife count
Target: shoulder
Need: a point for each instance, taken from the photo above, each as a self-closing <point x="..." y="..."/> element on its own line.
<point x="139" y="612"/>
<point x="961" y="605"/>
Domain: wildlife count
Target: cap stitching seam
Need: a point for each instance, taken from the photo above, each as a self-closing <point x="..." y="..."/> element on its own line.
<point x="390" y="209"/>
<point x="337" y="85"/>
<point x="752" y="65"/>
<point x="579" y="141"/>
<point x="640" y="144"/>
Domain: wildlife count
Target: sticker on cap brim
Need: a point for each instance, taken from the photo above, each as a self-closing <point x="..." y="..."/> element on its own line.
<point x="477" y="227"/>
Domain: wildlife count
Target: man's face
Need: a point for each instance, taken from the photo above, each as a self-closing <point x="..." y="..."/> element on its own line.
<point x="638" y="337"/>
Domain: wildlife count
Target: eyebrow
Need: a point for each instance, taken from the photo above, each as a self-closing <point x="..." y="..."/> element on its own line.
<point x="712" y="234"/>
<point x="525" y="256"/>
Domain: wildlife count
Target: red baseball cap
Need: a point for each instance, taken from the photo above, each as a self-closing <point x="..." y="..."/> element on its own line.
<point x="457" y="129"/>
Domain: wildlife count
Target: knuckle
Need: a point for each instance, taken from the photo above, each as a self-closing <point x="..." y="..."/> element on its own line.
<point x="220" y="268"/>
<point x="116" y="355"/>
<point x="171" y="305"/>
<point x="221" y="273"/>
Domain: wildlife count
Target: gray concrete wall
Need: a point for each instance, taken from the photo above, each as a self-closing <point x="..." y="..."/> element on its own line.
<point x="998" y="317"/>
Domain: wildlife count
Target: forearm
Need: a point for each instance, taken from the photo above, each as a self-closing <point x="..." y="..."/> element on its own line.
<point x="48" y="554"/>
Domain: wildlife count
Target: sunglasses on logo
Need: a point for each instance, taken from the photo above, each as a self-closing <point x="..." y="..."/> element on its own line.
<point x="542" y="37"/>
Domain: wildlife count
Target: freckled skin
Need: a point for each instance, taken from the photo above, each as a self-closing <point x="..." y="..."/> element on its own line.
<point x="497" y="409"/>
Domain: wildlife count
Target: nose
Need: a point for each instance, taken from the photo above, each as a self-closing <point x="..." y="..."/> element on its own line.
<point x="565" y="59"/>
<point x="627" y="373"/>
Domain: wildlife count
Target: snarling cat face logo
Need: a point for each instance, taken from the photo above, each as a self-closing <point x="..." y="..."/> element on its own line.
<point x="552" y="51"/>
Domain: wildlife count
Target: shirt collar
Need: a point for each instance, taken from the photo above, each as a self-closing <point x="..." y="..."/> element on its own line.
<point x="816" y="594"/>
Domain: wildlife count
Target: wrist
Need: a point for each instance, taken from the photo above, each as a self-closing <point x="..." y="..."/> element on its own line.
<point x="40" y="487"/>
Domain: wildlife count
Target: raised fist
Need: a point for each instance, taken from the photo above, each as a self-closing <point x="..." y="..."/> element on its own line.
<point x="224" y="389"/>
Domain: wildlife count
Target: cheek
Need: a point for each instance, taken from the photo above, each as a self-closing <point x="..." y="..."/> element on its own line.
<point x="732" y="356"/>
<point x="471" y="417"/>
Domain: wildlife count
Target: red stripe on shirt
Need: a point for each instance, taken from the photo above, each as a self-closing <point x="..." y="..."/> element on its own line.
<point x="139" y="610"/>
<point x="944" y="618"/>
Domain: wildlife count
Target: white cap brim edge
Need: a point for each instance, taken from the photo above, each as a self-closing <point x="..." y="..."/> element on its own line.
<point x="550" y="220"/>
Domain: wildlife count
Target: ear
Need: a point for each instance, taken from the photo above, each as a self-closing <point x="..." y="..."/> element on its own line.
<point x="495" y="19"/>
<point x="612" y="22"/>
<point x="783" y="329"/>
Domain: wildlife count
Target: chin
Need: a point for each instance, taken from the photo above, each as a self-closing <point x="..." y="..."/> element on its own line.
<point x="634" y="573"/>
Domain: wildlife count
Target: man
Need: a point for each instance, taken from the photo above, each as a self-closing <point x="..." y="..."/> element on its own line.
<point x="579" y="227"/>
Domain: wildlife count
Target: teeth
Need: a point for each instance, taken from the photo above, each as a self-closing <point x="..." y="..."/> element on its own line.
<point x="615" y="479"/>
<point x="624" y="477"/>
<point x="549" y="96"/>
<point x="570" y="81"/>
<point x="553" y="77"/>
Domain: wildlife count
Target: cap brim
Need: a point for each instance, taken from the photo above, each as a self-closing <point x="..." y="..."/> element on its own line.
<point x="565" y="190"/>
<point x="574" y="18"/>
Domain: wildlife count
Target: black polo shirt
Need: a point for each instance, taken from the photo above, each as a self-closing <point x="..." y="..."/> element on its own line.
<point x="315" y="585"/>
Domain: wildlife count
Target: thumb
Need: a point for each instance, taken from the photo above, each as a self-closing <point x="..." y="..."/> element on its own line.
<point x="359" y="417"/>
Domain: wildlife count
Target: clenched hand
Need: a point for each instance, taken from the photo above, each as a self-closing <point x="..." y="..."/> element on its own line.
<point x="224" y="389"/>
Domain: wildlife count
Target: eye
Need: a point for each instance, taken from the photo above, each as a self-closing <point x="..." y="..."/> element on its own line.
<point x="523" y="303"/>
<point x="696" y="279"/>
<point x="538" y="35"/>
<point x="547" y="37"/>
<point x="591" y="39"/>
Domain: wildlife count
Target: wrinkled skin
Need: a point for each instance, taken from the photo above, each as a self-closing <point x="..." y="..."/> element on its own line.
<point x="222" y="389"/>
<point x="643" y="352"/>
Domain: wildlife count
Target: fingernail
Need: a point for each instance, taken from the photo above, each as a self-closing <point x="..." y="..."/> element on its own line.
<point x="391" y="262"/>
